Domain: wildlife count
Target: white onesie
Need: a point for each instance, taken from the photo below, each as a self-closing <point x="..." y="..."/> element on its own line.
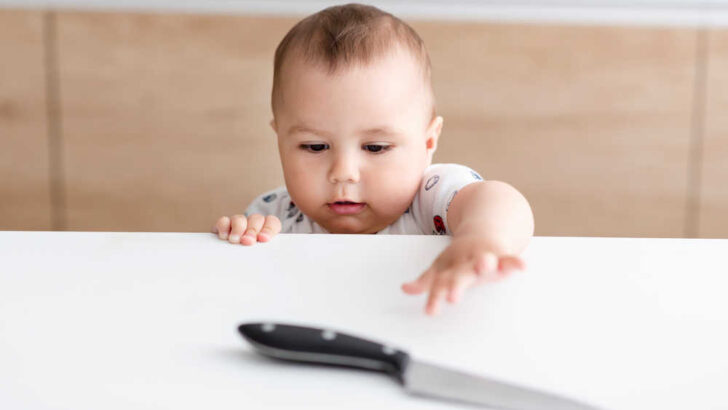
<point x="426" y="215"/>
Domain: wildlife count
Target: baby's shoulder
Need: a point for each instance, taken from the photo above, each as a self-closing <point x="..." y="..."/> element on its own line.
<point x="437" y="171"/>
<point x="273" y="202"/>
<point x="440" y="183"/>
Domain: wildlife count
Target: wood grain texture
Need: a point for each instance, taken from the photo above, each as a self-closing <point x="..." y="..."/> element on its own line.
<point x="592" y="124"/>
<point x="713" y="221"/>
<point x="165" y="118"/>
<point x="24" y="178"/>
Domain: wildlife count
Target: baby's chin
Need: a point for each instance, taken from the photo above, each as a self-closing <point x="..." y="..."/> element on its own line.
<point x="349" y="225"/>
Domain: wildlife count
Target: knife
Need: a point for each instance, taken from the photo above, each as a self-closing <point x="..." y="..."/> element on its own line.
<point x="325" y="346"/>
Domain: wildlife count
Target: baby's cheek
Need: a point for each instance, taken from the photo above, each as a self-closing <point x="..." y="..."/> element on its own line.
<point x="303" y="191"/>
<point x="394" y="195"/>
<point x="305" y="195"/>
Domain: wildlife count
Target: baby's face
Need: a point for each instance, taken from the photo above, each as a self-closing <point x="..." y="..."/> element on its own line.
<point x="363" y="134"/>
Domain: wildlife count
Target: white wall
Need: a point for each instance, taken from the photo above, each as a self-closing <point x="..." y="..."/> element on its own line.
<point x="647" y="12"/>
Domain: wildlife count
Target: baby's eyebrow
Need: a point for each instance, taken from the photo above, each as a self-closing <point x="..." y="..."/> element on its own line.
<point x="383" y="131"/>
<point x="305" y="129"/>
<point x="380" y="131"/>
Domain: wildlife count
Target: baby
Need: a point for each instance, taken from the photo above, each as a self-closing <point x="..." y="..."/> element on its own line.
<point x="354" y="112"/>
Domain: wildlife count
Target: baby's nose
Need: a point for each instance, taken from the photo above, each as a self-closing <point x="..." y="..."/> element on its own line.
<point x="344" y="169"/>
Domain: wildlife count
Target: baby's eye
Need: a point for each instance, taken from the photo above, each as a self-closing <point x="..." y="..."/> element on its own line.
<point x="314" y="147"/>
<point x="376" y="149"/>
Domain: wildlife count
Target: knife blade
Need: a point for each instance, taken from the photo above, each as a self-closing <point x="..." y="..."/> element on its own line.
<point x="326" y="346"/>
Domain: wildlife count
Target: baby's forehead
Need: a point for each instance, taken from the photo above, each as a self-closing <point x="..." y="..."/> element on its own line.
<point x="298" y="57"/>
<point x="392" y="83"/>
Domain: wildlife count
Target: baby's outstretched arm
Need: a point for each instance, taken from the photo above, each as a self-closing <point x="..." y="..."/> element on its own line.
<point x="257" y="228"/>
<point x="491" y="224"/>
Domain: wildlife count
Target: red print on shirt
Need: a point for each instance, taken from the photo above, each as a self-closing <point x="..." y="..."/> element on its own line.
<point x="439" y="225"/>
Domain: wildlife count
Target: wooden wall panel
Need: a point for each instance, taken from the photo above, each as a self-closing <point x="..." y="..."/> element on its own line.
<point x="24" y="177"/>
<point x="592" y="124"/>
<point x="713" y="220"/>
<point x="165" y="118"/>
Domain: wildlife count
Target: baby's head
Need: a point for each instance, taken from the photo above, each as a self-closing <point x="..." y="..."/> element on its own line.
<point x="353" y="109"/>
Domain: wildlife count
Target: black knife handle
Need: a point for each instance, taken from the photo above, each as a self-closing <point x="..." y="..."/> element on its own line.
<point x="324" y="346"/>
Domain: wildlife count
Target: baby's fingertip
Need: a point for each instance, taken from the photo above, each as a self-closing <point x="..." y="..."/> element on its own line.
<point x="247" y="240"/>
<point x="410" y="289"/>
<point x="433" y="304"/>
<point x="263" y="237"/>
<point x="431" y="310"/>
<point x="516" y="266"/>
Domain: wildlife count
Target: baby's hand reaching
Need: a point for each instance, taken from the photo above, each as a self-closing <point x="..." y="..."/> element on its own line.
<point x="466" y="262"/>
<point x="257" y="228"/>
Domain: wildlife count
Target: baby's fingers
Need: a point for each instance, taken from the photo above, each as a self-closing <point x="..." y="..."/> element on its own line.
<point x="486" y="266"/>
<point x="222" y="227"/>
<point x="271" y="227"/>
<point x="238" y="224"/>
<point x="255" y="223"/>
<point x="458" y="284"/>
<point x="420" y="284"/>
<point x="438" y="290"/>
<point x="508" y="264"/>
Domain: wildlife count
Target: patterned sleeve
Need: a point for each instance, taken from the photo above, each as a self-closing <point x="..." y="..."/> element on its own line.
<point x="440" y="184"/>
<point x="269" y="203"/>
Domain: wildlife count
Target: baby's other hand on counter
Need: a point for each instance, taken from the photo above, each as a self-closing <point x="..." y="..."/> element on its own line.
<point x="247" y="231"/>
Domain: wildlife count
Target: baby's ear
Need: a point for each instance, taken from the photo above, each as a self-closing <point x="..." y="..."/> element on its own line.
<point x="433" y="133"/>
<point x="273" y="125"/>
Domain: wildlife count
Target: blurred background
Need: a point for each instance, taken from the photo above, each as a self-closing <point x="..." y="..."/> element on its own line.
<point x="153" y="115"/>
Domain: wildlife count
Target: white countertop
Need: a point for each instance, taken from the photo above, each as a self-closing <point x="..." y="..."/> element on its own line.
<point x="148" y="320"/>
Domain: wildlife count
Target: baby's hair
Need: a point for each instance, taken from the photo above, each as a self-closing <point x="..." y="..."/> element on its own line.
<point x="341" y="36"/>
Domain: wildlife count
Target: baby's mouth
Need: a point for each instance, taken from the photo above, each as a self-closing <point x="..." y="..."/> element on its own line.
<point x="347" y="207"/>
